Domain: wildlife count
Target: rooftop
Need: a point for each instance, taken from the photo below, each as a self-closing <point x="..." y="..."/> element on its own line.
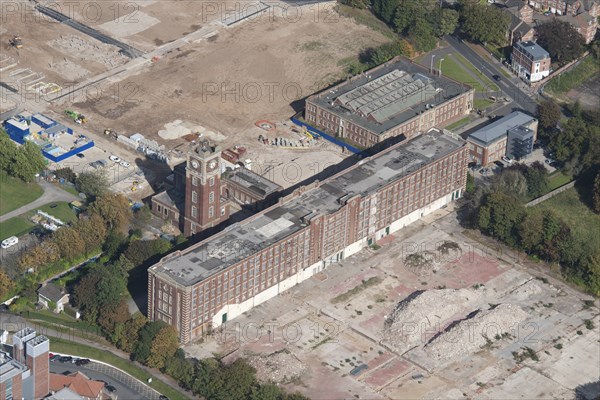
<point x="534" y="50"/>
<point x="9" y="367"/>
<point x="498" y="129"/>
<point x="384" y="97"/>
<point x="253" y="182"/>
<point x="51" y="292"/>
<point x="77" y="382"/>
<point x="243" y="239"/>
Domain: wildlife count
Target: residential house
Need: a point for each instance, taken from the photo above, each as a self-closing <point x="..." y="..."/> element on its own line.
<point x="530" y="61"/>
<point x="51" y="294"/>
<point x="521" y="26"/>
<point x="581" y="14"/>
<point x="79" y="383"/>
<point x="64" y="394"/>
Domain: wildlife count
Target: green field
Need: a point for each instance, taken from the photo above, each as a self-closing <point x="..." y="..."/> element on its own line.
<point x="482" y="103"/>
<point x="476" y="72"/>
<point x="458" y="123"/>
<point x="76" y="349"/>
<point x="455" y="70"/>
<point x="576" y="76"/>
<point x="62" y="211"/>
<point x="583" y="221"/>
<point x="15" y="193"/>
<point x="16" y="226"/>
<point x="558" y="179"/>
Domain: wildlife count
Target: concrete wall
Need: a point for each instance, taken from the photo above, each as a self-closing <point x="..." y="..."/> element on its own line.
<point x="550" y="195"/>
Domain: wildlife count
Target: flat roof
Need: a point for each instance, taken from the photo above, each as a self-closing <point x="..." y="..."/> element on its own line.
<point x="248" y="237"/>
<point x="536" y="51"/>
<point x="387" y="96"/>
<point x="9" y="368"/>
<point x="253" y="182"/>
<point x="520" y="132"/>
<point x="498" y="129"/>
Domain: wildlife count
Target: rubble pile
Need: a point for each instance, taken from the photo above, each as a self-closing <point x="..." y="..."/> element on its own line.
<point x="469" y="335"/>
<point x="278" y="367"/>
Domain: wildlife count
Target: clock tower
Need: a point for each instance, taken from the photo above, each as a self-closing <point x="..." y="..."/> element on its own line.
<point x="203" y="205"/>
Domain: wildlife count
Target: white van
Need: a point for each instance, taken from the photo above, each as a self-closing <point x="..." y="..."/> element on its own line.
<point x="11" y="241"/>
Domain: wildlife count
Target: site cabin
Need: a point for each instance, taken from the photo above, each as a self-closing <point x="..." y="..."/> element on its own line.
<point x="11" y="241"/>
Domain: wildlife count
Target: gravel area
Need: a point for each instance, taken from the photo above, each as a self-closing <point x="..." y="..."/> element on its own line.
<point x="278" y="367"/>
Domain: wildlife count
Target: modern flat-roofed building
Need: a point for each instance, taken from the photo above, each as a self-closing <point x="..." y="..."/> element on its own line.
<point x="530" y="61"/>
<point x="25" y="375"/>
<point x="254" y="260"/>
<point x="512" y="135"/>
<point x="396" y="98"/>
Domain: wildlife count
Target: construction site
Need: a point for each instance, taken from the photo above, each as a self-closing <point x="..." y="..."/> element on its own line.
<point x="437" y="312"/>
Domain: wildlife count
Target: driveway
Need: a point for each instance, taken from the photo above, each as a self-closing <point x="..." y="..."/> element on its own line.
<point x="51" y="194"/>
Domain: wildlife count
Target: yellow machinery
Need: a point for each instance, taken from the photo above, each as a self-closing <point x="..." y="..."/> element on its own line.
<point x="16" y="42"/>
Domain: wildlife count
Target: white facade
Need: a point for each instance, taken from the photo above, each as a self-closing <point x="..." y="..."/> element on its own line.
<point x="235" y="310"/>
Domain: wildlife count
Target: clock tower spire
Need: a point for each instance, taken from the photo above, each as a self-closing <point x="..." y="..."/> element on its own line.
<point x="203" y="205"/>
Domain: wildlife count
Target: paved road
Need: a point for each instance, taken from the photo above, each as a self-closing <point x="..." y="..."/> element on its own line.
<point x="123" y="391"/>
<point x="51" y="194"/>
<point x="520" y="97"/>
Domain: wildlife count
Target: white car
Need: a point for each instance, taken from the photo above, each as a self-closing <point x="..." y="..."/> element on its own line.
<point x="507" y="160"/>
<point x="8" y="242"/>
<point x="124" y="164"/>
<point x="114" y="158"/>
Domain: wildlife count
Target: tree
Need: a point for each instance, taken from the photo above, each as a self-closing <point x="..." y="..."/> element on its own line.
<point x="530" y="232"/>
<point x="84" y="296"/>
<point x="143" y="347"/>
<point x="387" y="51"/>
<point x="240" y="378"/>
<point x="596" y="194"/>
<point x="130" y="333"/>
<point x="448" y="22"/>
<point x="164" y="345"/>
<point x="140" y="251"/>
<point x="114" y="209"/>
<point x="28" y="162"/>
<point x="6" y="284"/>
<point x="511" y="182"/>
<point x="561" y="41"/>
<point x="361" y="4"/>
<point x="485" y="24"/>
<point x="39" y="255"/>
<point x="66" y="173"/>
<point x="180" y="368"/>
<point x="92" y="183"/>
<point x="93" y="232"/>
<point x="114" y="243"/>
<point x="385" y="9"/>
<point x="266" y="392"/>
<point x="8" y="152"/>
<point x="537" y="180"/>
<point x="70" y="243"/>
<point x="500" y="215"/>
<point x="548" y="114"/>
<point x="421" y="34"/>
<point x="110" y="317"/>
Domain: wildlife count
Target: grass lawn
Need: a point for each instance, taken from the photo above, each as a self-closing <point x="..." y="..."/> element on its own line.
<point x="583" y="221"/>
<point x="15" y="193"/>
<point x="15" y="227"/>
<point x="62" y="211"/>
<point x="454" y="70"/>
<point x="557" y="179"/>
<point x="482" y="103"/>
<point x="458" y="123"/>
<point x="476" y="72"/>
<point x="574" y="77"/>
<point x="68" y="347"/>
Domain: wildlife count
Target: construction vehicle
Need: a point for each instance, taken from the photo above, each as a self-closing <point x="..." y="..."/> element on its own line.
<point x="75" y="116"/>
<point x="16" y="42"/>
<point x="110" y="132"/>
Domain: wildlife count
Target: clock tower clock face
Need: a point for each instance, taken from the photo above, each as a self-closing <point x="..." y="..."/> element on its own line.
<point x="212" y="165"/>
<point x="195" y="164"/>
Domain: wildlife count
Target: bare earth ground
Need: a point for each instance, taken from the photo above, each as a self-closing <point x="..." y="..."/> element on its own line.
<point x="588" y="93"/>
<point x="430" y="353"/>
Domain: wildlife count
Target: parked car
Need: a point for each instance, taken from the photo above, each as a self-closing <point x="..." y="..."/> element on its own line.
<point x="499" y="164"/>
<point x="110" y="388"/>
<point x="507" y="160"/>
<point x="124" y="164"/>
<point x="65" y="359"/>
<point x="163" y="397"/>
<point x="114" y="158"/>
<point x="55" y="357"/>
<point x="82" y="361"/>
<point x="80" y="155"/>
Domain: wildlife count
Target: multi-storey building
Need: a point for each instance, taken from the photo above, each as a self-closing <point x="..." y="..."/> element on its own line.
<point x="25" y="375"/>
<point x="530" y="61"/>
<point x="396" y="98"/>
<point x="252" y="261"/>
<point x="581" y="14"/>
<point x="512" y="135"/>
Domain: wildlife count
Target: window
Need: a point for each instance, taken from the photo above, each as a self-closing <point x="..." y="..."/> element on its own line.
<point x="211" y="197"/>
<point x="194" y="196"/>
<point x="194" y="181"/>
<point x="158" y="208"/>
<point x="211" y="212"/>
<point x="211" y="181"/>
<point x="194" y="211"/>
<point x="222" y="211"/>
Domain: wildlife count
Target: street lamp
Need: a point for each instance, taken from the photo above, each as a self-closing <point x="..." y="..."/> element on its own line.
<point x="431" y="67"/>
<point x="441" y="59"/>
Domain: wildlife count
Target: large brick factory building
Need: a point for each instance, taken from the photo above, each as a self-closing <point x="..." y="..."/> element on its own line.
<point x="252" y="261"/>
<point x="396" y="98"/>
